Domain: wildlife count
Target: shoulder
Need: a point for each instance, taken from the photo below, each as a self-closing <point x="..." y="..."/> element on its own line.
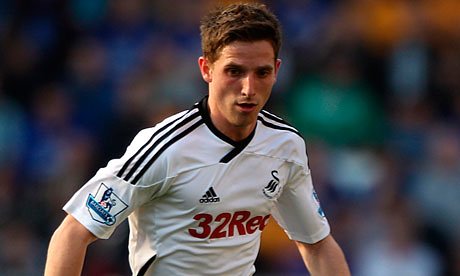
<point x="144" y="156"/>
<point x="280" y="127"/>
<point x="170" y="125"/>
<point x="278" y="135"/>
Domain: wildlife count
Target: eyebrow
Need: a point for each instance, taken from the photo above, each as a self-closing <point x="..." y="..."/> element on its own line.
<point x="236" y="65"/>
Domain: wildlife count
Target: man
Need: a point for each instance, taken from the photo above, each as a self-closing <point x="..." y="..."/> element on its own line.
<point x="199" y="187"/>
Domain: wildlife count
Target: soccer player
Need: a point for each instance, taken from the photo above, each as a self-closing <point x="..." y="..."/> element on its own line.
<point x="199" y="187"/>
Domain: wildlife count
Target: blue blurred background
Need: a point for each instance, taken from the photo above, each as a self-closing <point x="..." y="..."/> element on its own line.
<point x="373" y="85"/>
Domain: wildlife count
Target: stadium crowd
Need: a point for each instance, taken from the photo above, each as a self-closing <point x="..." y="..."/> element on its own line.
<point x="373" y="85"/>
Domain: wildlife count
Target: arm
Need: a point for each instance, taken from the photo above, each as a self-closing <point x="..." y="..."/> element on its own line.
<point x="67" y="248"/>
<point x="324" y="257"/>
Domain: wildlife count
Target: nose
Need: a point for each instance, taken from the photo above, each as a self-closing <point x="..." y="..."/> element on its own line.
<point x="248" y="89"/>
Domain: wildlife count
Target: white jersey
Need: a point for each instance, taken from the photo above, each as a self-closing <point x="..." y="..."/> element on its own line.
<point x="197" y="201"/>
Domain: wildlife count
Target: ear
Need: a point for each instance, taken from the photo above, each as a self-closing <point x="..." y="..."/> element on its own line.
<point x="277" y="66"/>
<point x="205" y="68"/>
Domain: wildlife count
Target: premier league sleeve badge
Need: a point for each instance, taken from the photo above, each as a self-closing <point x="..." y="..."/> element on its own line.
<point x="105" y="205"/>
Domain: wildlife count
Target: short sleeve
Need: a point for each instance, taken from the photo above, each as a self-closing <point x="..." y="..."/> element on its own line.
<point x="106" y="199"/>
<point x="298" y="210"/>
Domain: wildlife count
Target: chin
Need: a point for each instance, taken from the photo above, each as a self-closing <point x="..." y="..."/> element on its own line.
<point x="245" y="121"/>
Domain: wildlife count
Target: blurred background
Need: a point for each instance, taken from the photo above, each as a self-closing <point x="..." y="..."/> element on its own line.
<point x="373" y="85"/>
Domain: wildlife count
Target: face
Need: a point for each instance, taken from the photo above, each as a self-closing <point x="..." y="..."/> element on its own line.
<point x="240" y="83"/>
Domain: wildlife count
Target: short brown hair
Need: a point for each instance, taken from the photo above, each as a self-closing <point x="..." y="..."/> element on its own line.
<point x="238" y="22"/>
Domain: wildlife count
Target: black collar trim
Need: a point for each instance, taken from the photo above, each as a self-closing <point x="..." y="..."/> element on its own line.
<point x="239" y="146"/>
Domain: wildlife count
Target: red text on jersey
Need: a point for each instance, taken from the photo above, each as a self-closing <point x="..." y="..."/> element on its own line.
<point x="227" y="225"/>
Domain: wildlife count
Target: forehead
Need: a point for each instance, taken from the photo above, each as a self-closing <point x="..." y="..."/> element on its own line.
<point x="247" y="53"/>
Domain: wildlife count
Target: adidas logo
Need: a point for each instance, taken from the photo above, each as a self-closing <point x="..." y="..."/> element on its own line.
<point x="210" y="196"/>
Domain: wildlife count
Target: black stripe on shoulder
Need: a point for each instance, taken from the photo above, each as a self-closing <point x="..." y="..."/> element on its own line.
<point x="125" y="166"/>
<point x="275" y="118"/>
<point x="163" y="148"/>
<point x="157" y="142"/>
<point x="280" y="127"/>
<point x="127" y="163"/>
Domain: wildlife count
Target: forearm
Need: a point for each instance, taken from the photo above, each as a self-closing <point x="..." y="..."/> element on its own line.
<point x="324" y="258"/>
<point x="67" y="249"/>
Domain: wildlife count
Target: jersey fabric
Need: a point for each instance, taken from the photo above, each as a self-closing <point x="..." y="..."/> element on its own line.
<point x="196" y="201"/>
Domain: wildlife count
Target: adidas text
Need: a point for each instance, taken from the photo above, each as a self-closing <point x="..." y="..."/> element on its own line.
<point x="208" y="200"/>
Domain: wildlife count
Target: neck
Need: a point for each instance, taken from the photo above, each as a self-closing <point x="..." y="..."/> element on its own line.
<point x="235" y="132"/>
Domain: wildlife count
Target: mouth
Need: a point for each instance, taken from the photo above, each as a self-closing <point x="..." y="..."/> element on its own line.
<point x="247" y="107"/>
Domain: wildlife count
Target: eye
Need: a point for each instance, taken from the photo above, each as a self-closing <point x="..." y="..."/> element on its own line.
<point x="234" y="72"/>
<point x="262" y="73"/>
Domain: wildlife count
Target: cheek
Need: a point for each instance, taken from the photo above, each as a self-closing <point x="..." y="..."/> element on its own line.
<point x="228" y="87"/>
<point x="265" y="88"/>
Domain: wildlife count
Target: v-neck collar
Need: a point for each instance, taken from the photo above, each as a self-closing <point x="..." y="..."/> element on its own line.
<point x="239" y="146"/>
